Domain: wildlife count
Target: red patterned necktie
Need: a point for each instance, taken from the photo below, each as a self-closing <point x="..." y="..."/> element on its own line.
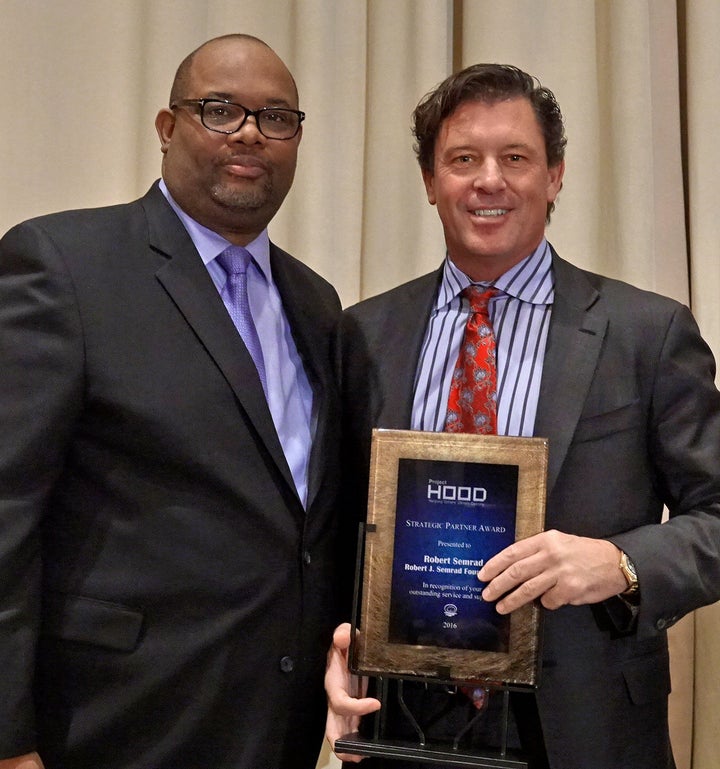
<point x="472" y="402"/>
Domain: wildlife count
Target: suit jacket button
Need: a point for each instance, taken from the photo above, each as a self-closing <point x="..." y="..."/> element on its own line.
<point x="661" y="624"/>
<point x="287" y="665"/>
<point x="307" y="558"/>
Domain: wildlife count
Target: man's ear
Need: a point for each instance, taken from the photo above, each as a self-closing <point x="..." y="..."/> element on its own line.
<point x="429" y="181"/>
<point x="555" y="178"/>
<point x="165" y="125"/>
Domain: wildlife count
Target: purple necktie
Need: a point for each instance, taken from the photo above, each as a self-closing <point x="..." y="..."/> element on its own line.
<point x="235" y="260"/>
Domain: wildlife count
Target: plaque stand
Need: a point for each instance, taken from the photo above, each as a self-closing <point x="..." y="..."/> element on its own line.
<point x="418" y="614"/>
<point x="421" y="750"/>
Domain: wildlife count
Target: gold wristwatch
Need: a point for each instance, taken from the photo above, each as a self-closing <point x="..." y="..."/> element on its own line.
<point x="627" y="567"/>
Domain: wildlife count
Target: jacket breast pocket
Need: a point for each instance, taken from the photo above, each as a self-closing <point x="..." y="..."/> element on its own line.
<point x="91" y="621"/>
<point x="592" y="428"/>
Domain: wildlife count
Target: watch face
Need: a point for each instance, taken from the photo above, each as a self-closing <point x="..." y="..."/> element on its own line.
<point x="631" y="567"/>
<point x="629" y="572"/>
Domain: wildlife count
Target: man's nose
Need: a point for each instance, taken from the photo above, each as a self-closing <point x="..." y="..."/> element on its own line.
<point x="248" y="133"/>
<point x="489" y="176"/>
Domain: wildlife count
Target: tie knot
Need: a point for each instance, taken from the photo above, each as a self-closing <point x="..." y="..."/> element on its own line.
<point x="234" y="260"/>
<point x="479" y="297"/>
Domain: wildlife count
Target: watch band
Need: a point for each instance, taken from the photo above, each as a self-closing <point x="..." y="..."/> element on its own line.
<point x="627" y="567"/>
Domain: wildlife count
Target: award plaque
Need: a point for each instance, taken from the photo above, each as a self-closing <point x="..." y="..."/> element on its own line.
<point x="441" y="505"/>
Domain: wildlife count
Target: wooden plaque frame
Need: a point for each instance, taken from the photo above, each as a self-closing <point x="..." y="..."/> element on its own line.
<point x="373" y="652"/>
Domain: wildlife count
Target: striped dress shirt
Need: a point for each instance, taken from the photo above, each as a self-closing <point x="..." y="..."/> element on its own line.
<point x="520" y="316"/>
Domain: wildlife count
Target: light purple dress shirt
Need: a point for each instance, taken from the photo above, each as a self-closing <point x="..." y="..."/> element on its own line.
<point x="289" y="394"/>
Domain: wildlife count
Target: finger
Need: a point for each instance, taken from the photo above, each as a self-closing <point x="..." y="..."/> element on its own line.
<point x="346" y="706"/>
<point x="500" y="562"/>
<point x="349" y="757"/>
<point x="340" y="727"/>
<point x="517" y="573"/>
<point x="341" y="689"/>
<point x="525" y="593"/>
<point x="341" y="636"/>
<point x="337" y="727"/>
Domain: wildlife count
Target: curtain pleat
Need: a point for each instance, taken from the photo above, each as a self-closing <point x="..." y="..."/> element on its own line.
<point x="637" y="81"/>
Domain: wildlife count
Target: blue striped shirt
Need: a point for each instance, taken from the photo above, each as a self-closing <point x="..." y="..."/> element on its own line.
<point x="520" y="315"/>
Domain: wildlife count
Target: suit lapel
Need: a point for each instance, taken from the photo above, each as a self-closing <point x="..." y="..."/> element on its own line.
<point x="313" y="344"/>
<point x="577" y="331"/>
<point x="402" y="337"/>
<point x="187" y="281"/>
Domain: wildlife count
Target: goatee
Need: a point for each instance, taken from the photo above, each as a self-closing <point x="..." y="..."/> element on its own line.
<point x="243" y="199"/>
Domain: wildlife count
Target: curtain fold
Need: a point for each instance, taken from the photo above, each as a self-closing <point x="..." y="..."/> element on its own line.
<point x="637" y="82"/>
<point x="700" y="20"/>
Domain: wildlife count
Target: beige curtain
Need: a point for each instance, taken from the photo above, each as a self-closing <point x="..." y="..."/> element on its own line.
<point x="637" y="80"/>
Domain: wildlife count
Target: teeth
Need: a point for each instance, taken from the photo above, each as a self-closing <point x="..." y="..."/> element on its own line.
<point x="490" y="211"/>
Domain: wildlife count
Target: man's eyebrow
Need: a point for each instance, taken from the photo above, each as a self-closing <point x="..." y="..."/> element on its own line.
<point x="272" y="102"/>
<point x="518" y="146"/>
<point x="218" y="95"/>
<point x="470" y="148"/>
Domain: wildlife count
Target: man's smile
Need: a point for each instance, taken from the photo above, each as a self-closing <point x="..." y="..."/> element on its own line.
<point x="490" y="212"/>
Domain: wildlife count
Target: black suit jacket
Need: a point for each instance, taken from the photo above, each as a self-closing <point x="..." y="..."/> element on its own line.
<point x="632" y="415"/>
<point x="166" y="601"/>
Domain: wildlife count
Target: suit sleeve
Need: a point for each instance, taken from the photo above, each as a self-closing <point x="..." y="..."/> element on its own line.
<point x="678" y="561"/>
<point x="40" y="392"/>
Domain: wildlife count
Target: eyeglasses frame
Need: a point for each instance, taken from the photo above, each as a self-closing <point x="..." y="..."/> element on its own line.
<point x="248" y="113"/>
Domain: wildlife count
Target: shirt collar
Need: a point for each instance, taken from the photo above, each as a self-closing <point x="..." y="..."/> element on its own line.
<point x="531" y="280"/>
<point x="210" y="245"/>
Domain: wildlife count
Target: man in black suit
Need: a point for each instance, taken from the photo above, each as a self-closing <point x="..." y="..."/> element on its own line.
<point x="168" y="534"/>
<point x="620" y="383"/>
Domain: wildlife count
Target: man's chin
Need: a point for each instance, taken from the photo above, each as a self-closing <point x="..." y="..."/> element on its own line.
<point x="240" y="200"/>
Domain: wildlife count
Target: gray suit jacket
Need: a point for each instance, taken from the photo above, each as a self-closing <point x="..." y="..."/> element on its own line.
<point x="166" y="600"/>
<point x="632" y="416"/>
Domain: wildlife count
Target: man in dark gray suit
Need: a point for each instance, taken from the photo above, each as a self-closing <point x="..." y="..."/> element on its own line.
<point x="620" y="383"/>
<point x="168" y="532"/>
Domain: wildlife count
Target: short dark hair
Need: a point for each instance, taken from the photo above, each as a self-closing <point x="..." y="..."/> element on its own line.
<point x="182" y="76"/>
<point x="488" y="83"/>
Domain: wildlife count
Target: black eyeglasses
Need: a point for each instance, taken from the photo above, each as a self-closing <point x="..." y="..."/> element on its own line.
<point x="224" y="117"/>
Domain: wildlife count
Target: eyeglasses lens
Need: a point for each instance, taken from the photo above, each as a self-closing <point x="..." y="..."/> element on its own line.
<point x="272" y="123"/>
